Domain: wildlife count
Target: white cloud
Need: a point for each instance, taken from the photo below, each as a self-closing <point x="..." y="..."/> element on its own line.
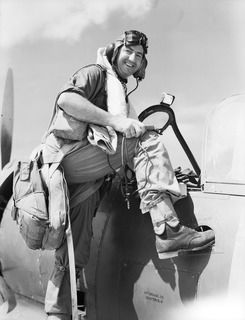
<point x="59" y="19"/>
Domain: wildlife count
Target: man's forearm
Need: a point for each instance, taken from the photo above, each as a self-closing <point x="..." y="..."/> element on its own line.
<point x="83" y="110"/>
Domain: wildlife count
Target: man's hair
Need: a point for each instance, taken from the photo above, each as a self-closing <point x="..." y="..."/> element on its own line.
<point x="129" y="38"/>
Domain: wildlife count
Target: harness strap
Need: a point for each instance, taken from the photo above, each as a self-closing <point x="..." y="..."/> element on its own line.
<point x="71" y="255"/>
<point x="72" y="270"/>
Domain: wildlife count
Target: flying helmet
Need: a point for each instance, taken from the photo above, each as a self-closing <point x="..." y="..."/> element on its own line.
<point x="129" y="38"/>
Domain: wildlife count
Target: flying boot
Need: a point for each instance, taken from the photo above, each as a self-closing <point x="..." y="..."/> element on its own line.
<point x="172" y="237"/>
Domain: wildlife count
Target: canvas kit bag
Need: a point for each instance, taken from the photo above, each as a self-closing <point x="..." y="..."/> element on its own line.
<point x="40" y="204"/>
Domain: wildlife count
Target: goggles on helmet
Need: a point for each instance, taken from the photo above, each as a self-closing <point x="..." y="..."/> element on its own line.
<point x="134" y="38"/>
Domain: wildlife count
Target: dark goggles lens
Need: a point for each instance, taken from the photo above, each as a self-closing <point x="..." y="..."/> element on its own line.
<point x="134" y="38"/>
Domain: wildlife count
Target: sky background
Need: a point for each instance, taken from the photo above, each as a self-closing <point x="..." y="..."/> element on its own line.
<point x="196" y="52"/>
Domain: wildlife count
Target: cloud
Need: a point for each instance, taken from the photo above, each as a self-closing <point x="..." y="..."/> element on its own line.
<point x="60" y="19"/>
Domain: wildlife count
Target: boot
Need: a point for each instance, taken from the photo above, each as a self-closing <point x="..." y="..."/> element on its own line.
<point x="181" y="238"/>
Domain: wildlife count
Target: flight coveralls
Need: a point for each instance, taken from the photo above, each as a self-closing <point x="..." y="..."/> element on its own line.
<point x="85" y="167"/>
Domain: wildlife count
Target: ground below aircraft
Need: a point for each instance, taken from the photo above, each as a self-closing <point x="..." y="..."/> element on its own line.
<point x="126" y="278"/>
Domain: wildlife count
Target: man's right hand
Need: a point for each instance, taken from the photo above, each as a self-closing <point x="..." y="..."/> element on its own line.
<point x="129" y="127"/>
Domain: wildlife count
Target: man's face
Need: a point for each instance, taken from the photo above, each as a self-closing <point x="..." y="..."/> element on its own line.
<point x="129" y="60"/>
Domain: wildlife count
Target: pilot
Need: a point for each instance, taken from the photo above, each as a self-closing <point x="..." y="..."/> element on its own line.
<point x="95" y="103"/>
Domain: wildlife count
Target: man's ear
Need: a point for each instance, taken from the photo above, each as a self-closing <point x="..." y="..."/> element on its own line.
<point x="109" y="52"/>
<point x="140" y="74"/>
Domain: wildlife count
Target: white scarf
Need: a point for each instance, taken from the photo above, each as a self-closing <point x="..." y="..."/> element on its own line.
<point x="116" y="102"/>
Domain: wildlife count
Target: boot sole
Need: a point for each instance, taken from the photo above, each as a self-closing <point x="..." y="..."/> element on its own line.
<point x="171" y="254"/>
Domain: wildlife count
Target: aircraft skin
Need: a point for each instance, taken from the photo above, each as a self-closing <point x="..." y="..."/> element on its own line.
<point x="126" y="278"/>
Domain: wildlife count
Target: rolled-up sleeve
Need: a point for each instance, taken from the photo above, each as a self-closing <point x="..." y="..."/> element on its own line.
<point x="86" y="82"/>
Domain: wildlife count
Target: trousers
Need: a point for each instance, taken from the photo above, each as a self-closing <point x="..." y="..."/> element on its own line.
<point x="156" y="181"/>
